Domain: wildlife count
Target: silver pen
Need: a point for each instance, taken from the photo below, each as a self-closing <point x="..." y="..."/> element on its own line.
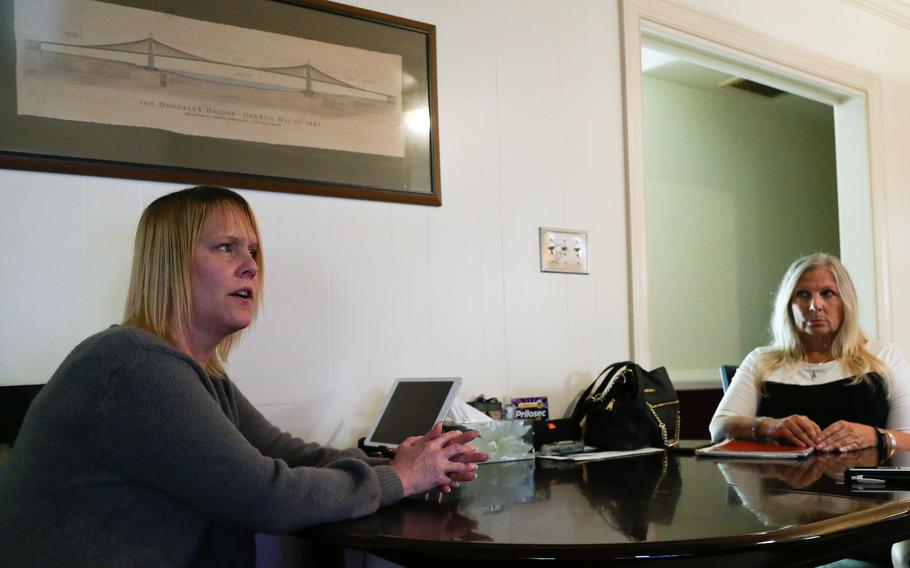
<point x="863" y="479"/>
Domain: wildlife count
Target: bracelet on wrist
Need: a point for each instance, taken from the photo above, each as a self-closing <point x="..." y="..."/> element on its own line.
<point x="881" y="444"/>
<point x="887" y="443"/>
<point x="756" y="426"/>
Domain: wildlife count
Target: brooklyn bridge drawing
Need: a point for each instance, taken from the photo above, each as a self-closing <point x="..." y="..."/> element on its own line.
<point x="95" y="62"/>
<point x="153" y="55"/>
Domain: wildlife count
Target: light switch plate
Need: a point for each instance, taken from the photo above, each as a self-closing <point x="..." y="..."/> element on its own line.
<point x="563" y="250"/>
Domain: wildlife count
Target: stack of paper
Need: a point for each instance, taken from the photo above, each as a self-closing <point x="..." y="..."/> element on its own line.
<point x="601" y="455"/>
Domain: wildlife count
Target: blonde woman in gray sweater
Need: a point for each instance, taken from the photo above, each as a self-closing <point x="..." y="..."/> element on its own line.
<point x="140" y="451"/>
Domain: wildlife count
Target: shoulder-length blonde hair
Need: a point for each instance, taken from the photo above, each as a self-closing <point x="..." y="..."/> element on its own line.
<point x="849" y="345"/>
<point x="159" y="299"/>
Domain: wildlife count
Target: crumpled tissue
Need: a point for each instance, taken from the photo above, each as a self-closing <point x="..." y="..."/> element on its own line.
<point x="504" y="440"/>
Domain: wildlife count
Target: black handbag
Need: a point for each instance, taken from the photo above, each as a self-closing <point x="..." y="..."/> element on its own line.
<point x="630" y="409"/>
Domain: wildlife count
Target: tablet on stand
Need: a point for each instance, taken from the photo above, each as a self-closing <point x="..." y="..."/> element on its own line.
<point x="411" y="408"/>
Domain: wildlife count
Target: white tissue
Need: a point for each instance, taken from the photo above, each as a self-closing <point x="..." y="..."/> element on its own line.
<point x="504" y="440"/>
<point x="463" y="412"/>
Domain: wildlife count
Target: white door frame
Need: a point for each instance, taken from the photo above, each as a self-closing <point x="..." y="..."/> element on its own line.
<point x="855" y="95"/>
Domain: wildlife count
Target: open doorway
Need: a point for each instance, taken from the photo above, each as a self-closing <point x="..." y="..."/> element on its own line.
<point x="740" y="179"/>
<point x="853" y="96"/>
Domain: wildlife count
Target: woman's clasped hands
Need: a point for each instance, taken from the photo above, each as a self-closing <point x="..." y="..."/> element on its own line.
<point x="437" y="460"/>
<point x="840" y="436"/>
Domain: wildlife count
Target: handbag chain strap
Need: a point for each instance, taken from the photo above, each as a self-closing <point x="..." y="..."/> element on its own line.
<point x="606" y="391"/>
<point x="668" y="443"/>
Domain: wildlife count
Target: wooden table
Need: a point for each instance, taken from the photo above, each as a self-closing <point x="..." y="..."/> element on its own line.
<point x="647" y="510"/>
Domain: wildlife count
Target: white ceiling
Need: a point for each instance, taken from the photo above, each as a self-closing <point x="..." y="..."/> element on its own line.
<point x="895" y="11"/>
<point x="672" y="69"/>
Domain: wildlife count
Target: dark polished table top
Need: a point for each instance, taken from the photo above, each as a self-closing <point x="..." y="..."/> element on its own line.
<point x="656" y="507"/>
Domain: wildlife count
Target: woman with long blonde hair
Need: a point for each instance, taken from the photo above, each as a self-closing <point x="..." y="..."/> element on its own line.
<point x="820" y="383"/>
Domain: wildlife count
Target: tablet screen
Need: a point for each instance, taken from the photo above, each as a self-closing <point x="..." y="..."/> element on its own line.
<point x="411" y="408"/>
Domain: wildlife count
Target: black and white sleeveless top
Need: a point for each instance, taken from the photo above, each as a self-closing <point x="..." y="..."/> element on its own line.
<point x="863" y="402"/>
<point x="822" y="392"/>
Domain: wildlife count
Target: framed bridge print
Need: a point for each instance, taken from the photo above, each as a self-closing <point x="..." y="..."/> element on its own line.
<point x="299" y="96"/>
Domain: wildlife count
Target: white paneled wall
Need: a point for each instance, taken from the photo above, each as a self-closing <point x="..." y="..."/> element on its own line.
<point x="358" y="293"/>
<point x="44" y="228"/>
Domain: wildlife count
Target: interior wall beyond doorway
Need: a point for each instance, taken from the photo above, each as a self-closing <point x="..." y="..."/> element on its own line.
<point x="736" y="188"/>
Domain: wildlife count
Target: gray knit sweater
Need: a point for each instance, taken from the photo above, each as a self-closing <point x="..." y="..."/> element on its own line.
<point x="133" y="456"/>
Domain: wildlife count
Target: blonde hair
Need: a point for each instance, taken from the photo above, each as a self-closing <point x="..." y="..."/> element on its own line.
<point x="849" y="346"/>
<point x="159" y="299"/>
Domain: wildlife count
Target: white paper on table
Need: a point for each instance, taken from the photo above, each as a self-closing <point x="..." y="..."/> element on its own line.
<point x="605" y="455"/>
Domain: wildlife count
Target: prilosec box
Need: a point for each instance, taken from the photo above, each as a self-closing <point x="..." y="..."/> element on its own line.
<point x="531" y="408"/>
